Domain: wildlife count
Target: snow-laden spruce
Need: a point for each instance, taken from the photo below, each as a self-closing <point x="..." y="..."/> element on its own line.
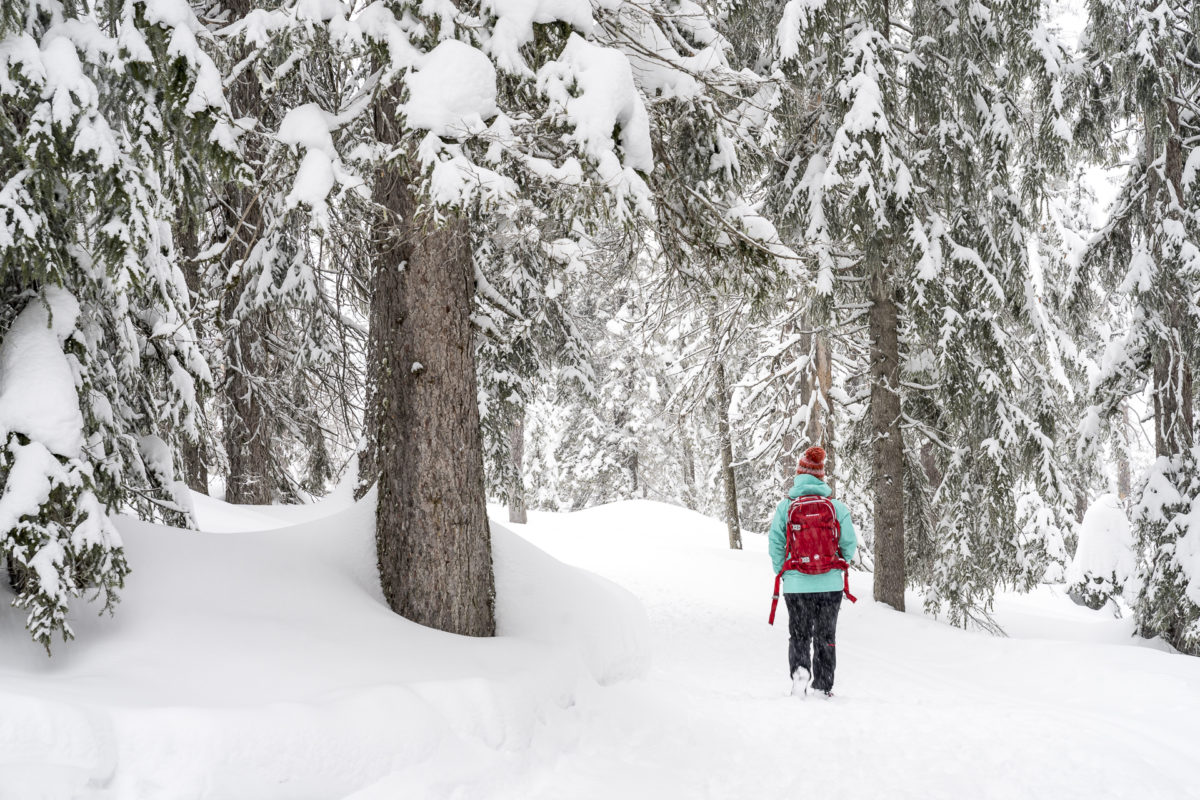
<point x="1141" y="76"/>
<point x="54" y="531"/>
<point x="1104" y="560"/>
<point x="1165" y="521"/>
<point x="914" y="133"/>
<point x="101" y="104"/>
<point x="470" y="111"/>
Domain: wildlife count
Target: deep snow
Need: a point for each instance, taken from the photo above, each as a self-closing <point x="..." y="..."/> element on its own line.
<point x="264" y="664"/>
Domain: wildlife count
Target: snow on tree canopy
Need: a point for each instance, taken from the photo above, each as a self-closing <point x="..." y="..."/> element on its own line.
<point x="310" y="127"/>
<point x="37" y="387"/>
<point x="592" y="86"/>
<point x="514" y="26"/>
<point x="1105" y="544"/>
<point x="452" y="91"/>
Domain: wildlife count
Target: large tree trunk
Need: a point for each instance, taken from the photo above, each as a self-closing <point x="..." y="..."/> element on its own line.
<point x="516" y="455"/>
<point x="247" y="436"/>
<point x="424" y="447"/>
<point x="888" y="450"/>
<point x="732" y="522"/>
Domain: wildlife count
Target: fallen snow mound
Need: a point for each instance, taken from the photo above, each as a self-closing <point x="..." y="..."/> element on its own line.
<point x="266" y="664"/>
<point x="1105" y="551"/>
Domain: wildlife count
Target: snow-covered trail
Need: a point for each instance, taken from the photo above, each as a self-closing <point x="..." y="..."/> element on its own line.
<point x="1074" y="709"/>
<point x="258" y="661"/>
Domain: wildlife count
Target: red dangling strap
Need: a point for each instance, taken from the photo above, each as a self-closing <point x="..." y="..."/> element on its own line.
<point x="846" y="585"/>
<point x="775" y="597"/>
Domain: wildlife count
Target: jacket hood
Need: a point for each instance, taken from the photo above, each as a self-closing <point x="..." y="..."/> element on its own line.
<point x="809" y="484"/>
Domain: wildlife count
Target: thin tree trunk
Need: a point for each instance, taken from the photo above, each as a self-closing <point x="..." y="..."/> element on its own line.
<point x="195" y="470"/>
<point x="1124" y="482"/>
<point x="633" y="473"/>
<point x="815" y="396"/>
<point x="732" y="522"/>
<point x="247" y="437"/>
<point x="888" y="450"/>
<point x="786" y="463"/>
<point x="929" y="465"/>
<point x="825" y="387"/>
<point x="1172" y="374"/>
<point x="808" y="385"/>
<point x="424" y="448"/>
<point x="17" y="574"/>
<point x="1081" y="504"/>
<point x="689" y="465"/>
<point x="516" y="454"/>
<point x="1172" y="398"/>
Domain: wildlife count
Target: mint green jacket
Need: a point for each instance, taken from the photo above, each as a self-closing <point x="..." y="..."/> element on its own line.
<point x="797" y="582"/>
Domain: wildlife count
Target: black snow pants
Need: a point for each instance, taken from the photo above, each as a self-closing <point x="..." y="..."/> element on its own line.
<point x="812" y="625"/>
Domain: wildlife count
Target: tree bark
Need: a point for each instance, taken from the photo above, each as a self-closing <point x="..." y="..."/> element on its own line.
<point x="815" y="395"/>
<point x="516" y="454"/>
<point x="17" y="574"/>
<point x="1173" y="422"/>
<point x="1124" y="482"/>
<point x="825" y="387"/>
<point x="424" y="448"/>
<point x="689" y="465"/>
<point x="1123" y="478"/>
<point x="888" y="448"/>
<point x="732" y="522"/>
<point x="195" y="469"/>
<point x="1172" y="398"/>
<point x="247" y="438"/>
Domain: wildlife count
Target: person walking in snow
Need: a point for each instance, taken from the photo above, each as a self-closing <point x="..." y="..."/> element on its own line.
<point x="811" y="542"/>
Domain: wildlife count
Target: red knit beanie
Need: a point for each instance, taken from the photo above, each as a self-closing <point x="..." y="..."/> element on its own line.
<point x="812" y="463"/>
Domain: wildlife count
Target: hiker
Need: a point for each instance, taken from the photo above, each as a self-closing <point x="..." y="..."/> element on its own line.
<point x="813" y="562"/>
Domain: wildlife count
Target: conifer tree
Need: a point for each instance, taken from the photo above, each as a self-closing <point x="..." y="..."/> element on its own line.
<point x="274" y="276"/>
<point x="527" y="332"/>
<point x="1141" y="61"/>
<point x="101" y="102"/>
<point x="911" y="200"/>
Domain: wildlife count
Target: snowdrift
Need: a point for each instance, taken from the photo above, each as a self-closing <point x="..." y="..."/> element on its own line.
<point x="265" y="663"/>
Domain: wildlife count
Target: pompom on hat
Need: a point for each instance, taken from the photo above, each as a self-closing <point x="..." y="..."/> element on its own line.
<point x="812" y="463"/>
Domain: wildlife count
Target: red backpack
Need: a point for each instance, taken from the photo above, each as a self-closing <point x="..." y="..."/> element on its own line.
<point x="813" y="533"/>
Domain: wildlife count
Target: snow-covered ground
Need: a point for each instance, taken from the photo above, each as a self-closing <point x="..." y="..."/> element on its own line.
<point x="263" y="664"/>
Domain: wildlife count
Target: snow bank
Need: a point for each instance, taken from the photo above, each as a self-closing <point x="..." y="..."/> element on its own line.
<point x="540" y="598"/>
<point x="266" y="664"/>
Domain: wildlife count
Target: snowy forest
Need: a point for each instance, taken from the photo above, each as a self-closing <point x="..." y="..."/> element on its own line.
<point x="441" y="258"/>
